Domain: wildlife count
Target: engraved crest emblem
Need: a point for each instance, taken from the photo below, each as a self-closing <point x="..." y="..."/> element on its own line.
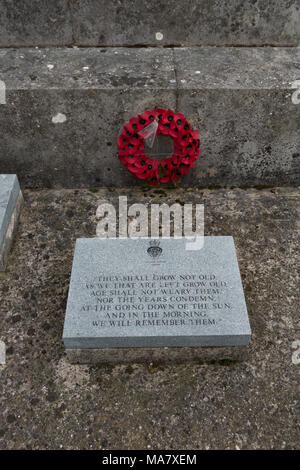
<point x="154" y="249"/>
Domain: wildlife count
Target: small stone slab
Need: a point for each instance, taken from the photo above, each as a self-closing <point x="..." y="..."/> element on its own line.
<point x="11" y="201"/>
<point x="141" y="293"/>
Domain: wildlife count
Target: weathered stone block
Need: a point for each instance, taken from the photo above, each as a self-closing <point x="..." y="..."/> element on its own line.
<point x="35" y="23"/>
<point x="192" y="22"/>
<point x="240" y="99"/>
<point x="11" y="201"/>
<point x="60" y="125"/>
<point x="65" y="108"/>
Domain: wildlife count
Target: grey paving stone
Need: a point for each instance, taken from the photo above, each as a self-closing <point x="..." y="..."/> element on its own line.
<point x="219" y="404"/>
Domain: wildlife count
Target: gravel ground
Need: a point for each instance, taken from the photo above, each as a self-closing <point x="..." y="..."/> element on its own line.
<point x="47" y="403"/>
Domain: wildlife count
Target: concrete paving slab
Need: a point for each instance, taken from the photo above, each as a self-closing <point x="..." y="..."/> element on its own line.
<point x="48" y="403"/>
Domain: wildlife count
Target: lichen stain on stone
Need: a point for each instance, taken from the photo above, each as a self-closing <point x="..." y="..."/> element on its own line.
<point x="59" y="118"/>
<point x="72" y="375"/>
<point x="211" y="171"/>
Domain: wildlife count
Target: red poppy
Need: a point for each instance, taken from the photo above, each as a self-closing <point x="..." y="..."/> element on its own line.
<point x="149" y="116"/>
<point x="154" y="179"/>
<point x="160" y="112"/>
<point x="134" y="125"/>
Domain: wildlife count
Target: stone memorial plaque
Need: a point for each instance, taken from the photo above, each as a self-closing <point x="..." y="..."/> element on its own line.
<point x="147" y="293"/>
<point x="11" y="201"/>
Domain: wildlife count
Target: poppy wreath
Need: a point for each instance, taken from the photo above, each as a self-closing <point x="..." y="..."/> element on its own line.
<point x="186" y="147"/>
